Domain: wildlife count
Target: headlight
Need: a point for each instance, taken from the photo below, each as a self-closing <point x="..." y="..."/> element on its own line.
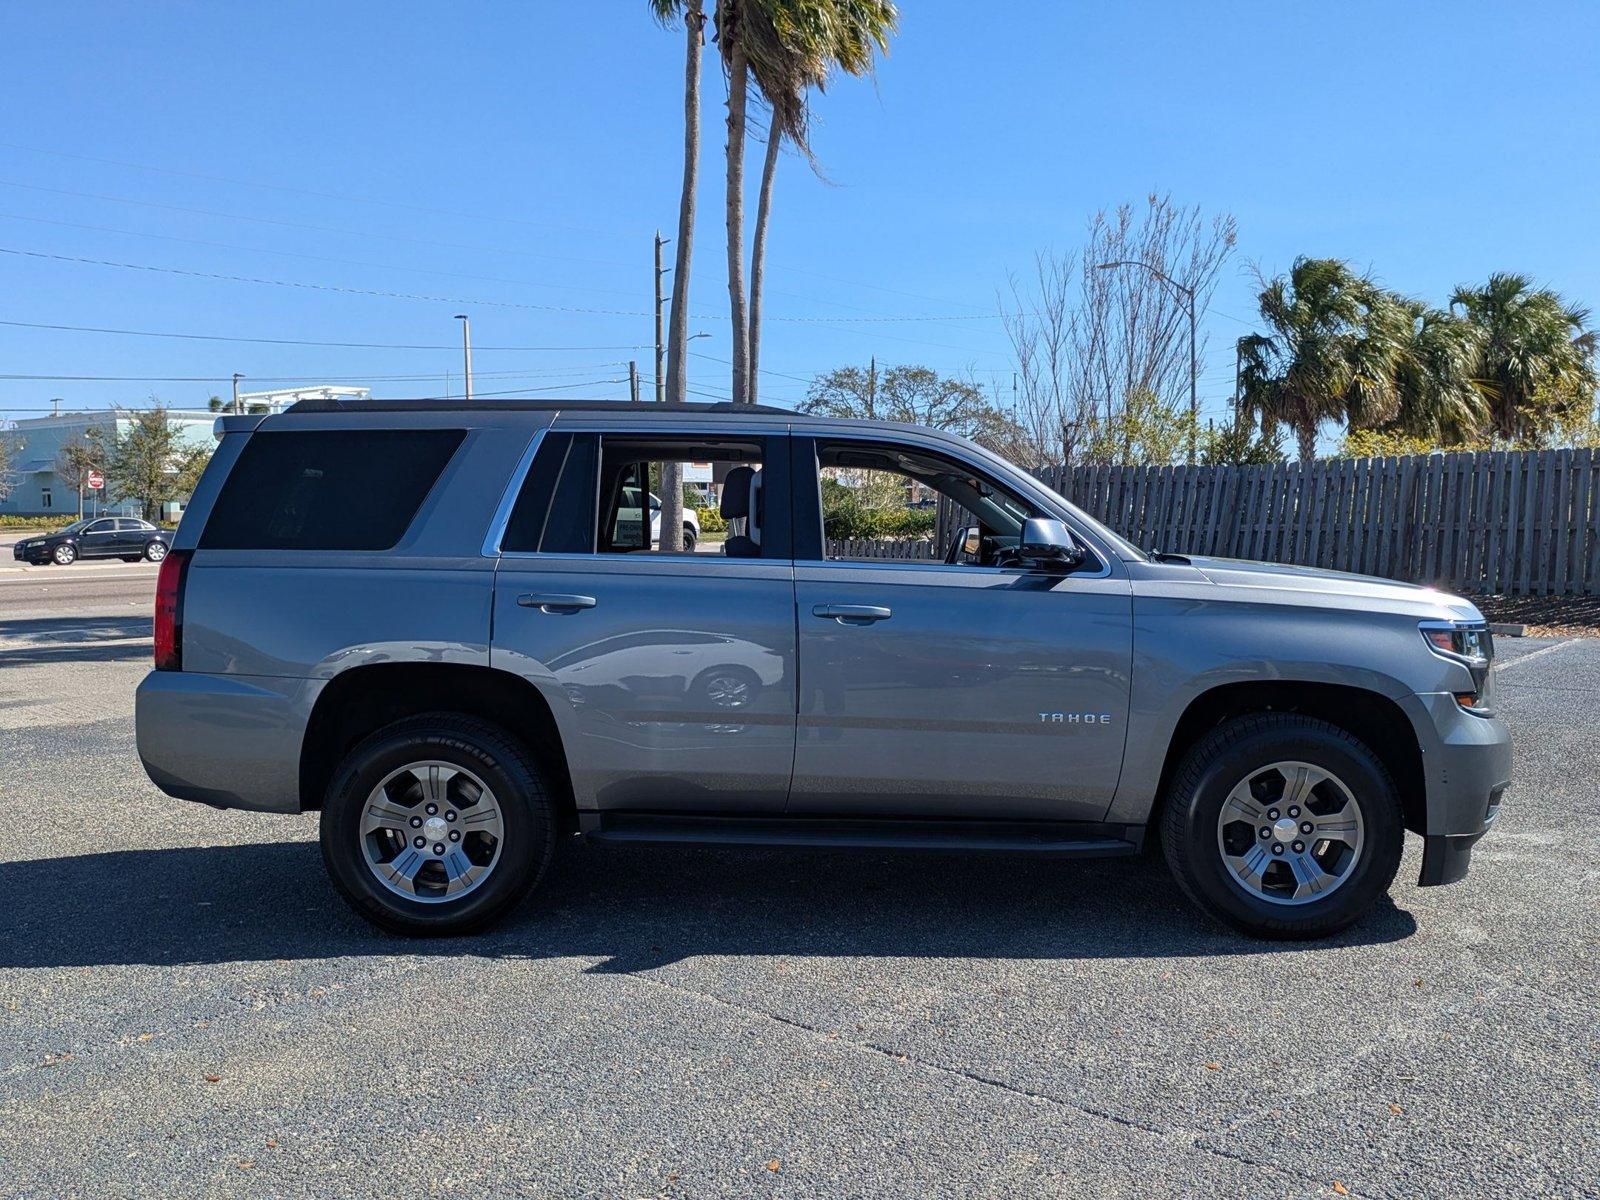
<point x="1470" y="644"/>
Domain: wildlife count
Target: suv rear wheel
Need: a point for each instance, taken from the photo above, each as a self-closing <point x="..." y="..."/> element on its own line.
<point x="1283" y="826"/>
<point x="437" y="824"/>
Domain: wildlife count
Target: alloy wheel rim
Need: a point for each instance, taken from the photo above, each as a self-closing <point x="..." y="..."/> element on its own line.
<point x="727" y="691"/>
<point x="431" y="831"/>
<point x="1290" y="833"/>
<point x="64" y="554"/>
<point x="156" y="552"/>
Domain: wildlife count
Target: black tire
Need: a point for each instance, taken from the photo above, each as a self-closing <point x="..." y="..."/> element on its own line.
<point x="1230" y="753"/>
<point x="688" y="537"/>
<point x="64" y="555"/>
<point x="155" y="551"/>
<point x="502" y="763"/>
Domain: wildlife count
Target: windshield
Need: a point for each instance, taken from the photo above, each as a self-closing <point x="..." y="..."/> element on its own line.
<point x="76" y="527"/>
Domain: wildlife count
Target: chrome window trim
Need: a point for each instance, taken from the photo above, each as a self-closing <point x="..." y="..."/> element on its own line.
<point x="617" y="424"/>
<point x="508" y="498"/>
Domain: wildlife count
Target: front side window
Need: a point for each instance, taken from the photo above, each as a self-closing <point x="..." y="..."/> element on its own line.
<point x="881" y="501"/>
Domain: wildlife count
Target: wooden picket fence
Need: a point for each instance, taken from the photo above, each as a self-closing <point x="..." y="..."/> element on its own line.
<point x="889" y="548"/>
<point x="1515" y="522"/>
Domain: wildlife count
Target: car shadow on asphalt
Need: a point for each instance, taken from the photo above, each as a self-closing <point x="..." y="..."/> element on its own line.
<point x="629" y="908"/>
<point x="74" y="639"/>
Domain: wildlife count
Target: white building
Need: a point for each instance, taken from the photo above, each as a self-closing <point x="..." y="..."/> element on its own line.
<point x="37" y="442"/>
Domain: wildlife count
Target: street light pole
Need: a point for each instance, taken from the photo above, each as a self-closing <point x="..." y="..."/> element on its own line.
<point x="1194" y="354"/>
<point x="466" y="353"/>
<point x="236" y="409"/>
<point x="661" y="345"/>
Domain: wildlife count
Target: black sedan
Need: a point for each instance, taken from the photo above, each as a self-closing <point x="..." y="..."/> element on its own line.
<point x="127" y="538"/>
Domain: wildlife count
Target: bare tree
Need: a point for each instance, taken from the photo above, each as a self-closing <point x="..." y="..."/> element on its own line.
<point x="917" y="395"/>
<point x="1125" y="333"/>
<point x="1039" y="325"/>
<point x="74" y="462"/>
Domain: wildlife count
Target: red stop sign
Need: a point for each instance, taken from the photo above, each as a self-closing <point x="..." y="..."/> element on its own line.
<point x="95" y="481"/>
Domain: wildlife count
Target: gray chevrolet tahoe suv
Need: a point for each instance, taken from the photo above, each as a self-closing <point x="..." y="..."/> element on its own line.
<point x="441" y="625"/>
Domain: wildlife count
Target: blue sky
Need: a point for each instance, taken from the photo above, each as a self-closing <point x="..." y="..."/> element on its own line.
<point x="513" y="160"/>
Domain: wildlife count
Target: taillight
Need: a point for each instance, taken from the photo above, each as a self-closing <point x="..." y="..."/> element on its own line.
<point x="169" y="610"/>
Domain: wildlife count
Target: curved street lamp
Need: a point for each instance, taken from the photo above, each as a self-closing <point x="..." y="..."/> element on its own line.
<point x="1194" y="355"/>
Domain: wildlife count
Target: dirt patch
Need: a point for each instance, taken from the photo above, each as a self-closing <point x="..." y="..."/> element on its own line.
<point x="1545" y="616"/>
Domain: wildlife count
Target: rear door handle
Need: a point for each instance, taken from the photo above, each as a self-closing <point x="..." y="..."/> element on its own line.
<point x="551" y="603"/>
<point x="852" y="614"/>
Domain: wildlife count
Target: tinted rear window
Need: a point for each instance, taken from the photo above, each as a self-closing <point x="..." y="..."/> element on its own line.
<point x="327" y="490"/>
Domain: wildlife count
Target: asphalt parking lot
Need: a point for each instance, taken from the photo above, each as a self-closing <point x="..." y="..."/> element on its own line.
<point x="187" y="1009"/>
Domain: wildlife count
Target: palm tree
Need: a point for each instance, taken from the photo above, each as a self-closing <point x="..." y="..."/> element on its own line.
<point x="785" y="47"/>
<point x="1437" y="393"/>
<point x="1330" y="354"/>
<point x="799" y="43"/>
<point x="733" y="30"/>
<point x="1536" y="357"/>
<point x="694" y="20"/>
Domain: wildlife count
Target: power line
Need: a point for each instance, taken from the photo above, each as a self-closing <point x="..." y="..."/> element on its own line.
<point x="261" y="341"/>
<point x="343" y="198"/>
<point x="343" y="262"/>
<point x="381" y="293"/>
<point x="254" y="378"/>
<point x="527" y="391"/>
<point x="321" y="287"/>
<point x="227" y="216"/>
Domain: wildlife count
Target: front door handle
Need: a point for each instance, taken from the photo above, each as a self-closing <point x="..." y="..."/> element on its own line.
<point x="550" y="603"/>
<point x="852" y="614"/>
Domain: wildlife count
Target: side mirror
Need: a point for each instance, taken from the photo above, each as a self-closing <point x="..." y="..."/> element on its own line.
<point x="1047" y="541"/>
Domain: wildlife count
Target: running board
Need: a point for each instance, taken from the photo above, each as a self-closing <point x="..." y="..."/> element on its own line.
<point x="1068" y="839"/>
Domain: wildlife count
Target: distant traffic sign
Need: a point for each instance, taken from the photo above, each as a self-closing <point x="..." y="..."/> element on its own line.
<point x="95" y="481"/>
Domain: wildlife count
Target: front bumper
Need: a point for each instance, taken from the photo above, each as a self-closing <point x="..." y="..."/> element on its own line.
<point x="230" y="741"/>
<point x="1466" y="764"/>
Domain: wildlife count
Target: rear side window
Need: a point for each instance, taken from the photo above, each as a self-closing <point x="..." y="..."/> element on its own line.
<point x="352" y="489"/>
<point x="554" y="513"/>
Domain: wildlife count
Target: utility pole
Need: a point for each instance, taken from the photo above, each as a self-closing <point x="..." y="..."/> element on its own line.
<point x="466" y="354"/>
<point x="872" y="390"/>
<point x="661" y="346"/>
<point x="237" y="411"/>
<point x="633" y="380"/>
<point x="1238" y="381"/>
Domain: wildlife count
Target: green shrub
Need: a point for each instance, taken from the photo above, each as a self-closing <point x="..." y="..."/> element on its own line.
<point x="844" y="518"/>
<point x="711" y="519"/>
<point x="13" y="521"/>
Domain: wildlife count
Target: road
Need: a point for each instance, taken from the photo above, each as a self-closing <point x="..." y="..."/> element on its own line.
<point x="187" y="1009"/>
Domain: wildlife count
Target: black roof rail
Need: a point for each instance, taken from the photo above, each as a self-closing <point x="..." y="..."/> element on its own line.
<point x="322" y="404"/>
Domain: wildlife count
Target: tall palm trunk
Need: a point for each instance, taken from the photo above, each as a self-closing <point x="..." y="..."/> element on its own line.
<point x="678" y="328"/>
<point x="1305" y="433"/>
<point x="758" y="254"/>
<point x="738" y="85"/>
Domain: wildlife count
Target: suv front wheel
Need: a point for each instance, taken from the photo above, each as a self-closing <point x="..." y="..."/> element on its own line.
<point x="1283" y="826"/>
<point x="437" y="824"/>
